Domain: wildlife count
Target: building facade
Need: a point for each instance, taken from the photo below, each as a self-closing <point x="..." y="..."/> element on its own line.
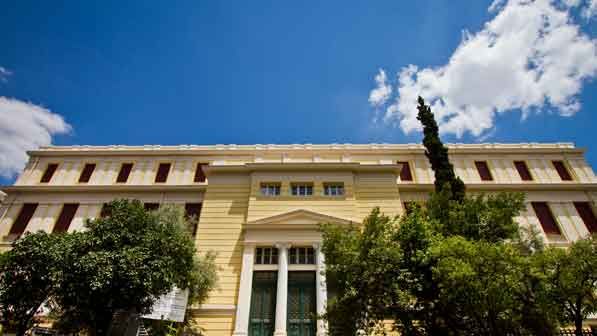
<point x="259" y="207"/>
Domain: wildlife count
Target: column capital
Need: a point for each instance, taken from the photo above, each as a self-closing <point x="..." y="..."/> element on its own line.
<point x="317" y="245"/>
<point x="284" y="245"/>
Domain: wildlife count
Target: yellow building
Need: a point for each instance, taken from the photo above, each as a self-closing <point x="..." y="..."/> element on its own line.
<point x="260" y="205"/>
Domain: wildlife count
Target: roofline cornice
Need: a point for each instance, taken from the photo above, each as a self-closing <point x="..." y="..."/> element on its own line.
<point x="157" y="150"/>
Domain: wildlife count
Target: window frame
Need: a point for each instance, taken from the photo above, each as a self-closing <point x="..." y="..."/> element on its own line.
<point x="591" y="227"/>
<point x="90" y="174"/>
<point x="49" y="179"/>
<point x="189" y="216"/>
<point x="308" y="186"/>
<point x="485" y="163"/>
<point x="260" y="256"/>
<point x="151" y="206"/>
<point x="306" y="253"/>
<point x="406" y="165"/>
<point x="199" y="168"/>
<point x="338" y="186"/>
<point x="122" y="164"/>
<point x="157" y="172"/>
<point x="60" y="229"/>
<point x="556" y="224"/>
<point x="526" y="168"/>
<point x="565" y="170"/>
<point x="17" y="234"/>
<point x="275" y="186"/>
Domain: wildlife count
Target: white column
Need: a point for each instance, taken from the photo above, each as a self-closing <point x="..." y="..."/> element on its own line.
<point x="243" y="305"/>
<point x="321" y="290"/>
<point x="282" y="295"/>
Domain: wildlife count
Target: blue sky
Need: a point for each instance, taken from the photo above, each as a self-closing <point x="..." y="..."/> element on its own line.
<point x="207" y="72"/>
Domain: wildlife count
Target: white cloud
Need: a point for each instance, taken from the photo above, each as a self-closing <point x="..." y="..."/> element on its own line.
<point x="383" y="90"/>
<point x="24" y="126"/>
<point x="4" y="73"/>
<point x="590" y="10"/>
<point x="531" y="56"/>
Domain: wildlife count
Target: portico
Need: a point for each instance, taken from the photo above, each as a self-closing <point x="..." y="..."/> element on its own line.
<point x="288" y="245"/>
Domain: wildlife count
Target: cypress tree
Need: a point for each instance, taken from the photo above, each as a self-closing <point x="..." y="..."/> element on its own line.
<point x="437" y="154"/>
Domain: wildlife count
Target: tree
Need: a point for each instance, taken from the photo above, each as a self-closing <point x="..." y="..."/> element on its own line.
<point x="26" y="277"/>
<point x="123" y="262"/>
<point x="571" y="276"/>
<point x="437" y="154"/>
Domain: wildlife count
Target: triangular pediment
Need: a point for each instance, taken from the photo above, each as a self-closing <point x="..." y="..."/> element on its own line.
<point x="298" y="218"/>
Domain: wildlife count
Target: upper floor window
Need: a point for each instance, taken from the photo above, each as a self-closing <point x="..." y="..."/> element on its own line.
<point x="562" y="170"/>
<point x="162" y="174"/>
<point x="125" y="171"/>
<point x="585" y="212"/>
<point x="333" y="189"/>
<point x="405" y="173"/>
<point x="483" y="170"/>
<point x="546" y="218"/>
<point x="266" y="256"/>
<point x="408" y="207"/>
<point x="66" y="217"/>
<point x="49" y="172"/>
<point x="301" y="189"/>
<point x="86" y="172"/>
<point x="523" y="170"/>
<point x="106" y="210"/>
<point x="192" y="212"/>
<point x="25" y="215"/>
<point x="301" y="255"/>
<point x="199" y="173"/>
<point x="270" y="189"/>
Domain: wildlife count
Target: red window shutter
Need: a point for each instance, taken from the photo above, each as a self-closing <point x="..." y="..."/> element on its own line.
<point x="483" y="170"/>
<point x="151" y="206"/>
<point x="25" y="215"/>
<point x="50" y="170"/>
<point x="562" y="171"/>
<point x="87" y="172"/>
<point x="405" y="173"/>
<point x="162" y="174"/>
<point x="199" y="173"/>
<point x="548" y="222"/>
<point x="523" y="170"/>
<point x="65" y="218"/>
<point x="192" y="212"/>
<point x="585" y="212"/>
<point x="125" y="171"/>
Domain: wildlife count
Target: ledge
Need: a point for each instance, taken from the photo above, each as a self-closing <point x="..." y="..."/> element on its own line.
<point x="506" y="186"/>
<point x="307" y="166"/>
<point x="101" y="188"/>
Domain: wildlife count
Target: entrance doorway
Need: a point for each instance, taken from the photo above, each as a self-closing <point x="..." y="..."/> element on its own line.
<point x="263" y="303"/>
<point x="301" y="304"/>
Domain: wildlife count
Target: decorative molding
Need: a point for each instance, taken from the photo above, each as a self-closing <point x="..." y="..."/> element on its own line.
<point x="491" y="186"/>
<point x="295" y="219"/>
<point x="102" y="188"/>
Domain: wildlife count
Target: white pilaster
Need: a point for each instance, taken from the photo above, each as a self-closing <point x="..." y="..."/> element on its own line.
<point x="243" y="306"/>
<point x="321" y="290"/>
<point x="282" y="295"/>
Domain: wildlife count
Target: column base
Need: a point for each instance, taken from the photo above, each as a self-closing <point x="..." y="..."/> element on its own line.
<point x="280" y="333"/>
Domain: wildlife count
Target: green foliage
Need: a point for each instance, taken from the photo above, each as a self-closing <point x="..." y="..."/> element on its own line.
<point x="571" y="279"/>
<point x="437" y="154"/>
<point x="123" y="262"/>
<point x="26" y="277"/>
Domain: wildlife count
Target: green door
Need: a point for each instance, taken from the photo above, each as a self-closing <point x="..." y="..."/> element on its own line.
<point x="301" y="304"/>
<point x="263" y="304"/>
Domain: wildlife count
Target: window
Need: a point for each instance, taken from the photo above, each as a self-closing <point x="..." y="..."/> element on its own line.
<point x="270" y="189"/>
<point x="585" y="212"/>
<point x="408" y="207"/>
<point x="548" y="222"/>
<point x="405" y="173"/>
<point x="125" y="171"/>
<point x="301" y="255"/>
<point x="192" y="211"/>
<point x="333" y="189"/>
<point x="25" y="215"/>
<point x="162" y="175"/>
<point x="199" y="173"/>
<point x="523" y="170"/>
<point x="266" y="256"/>
<point x="151" y="206"/>
<point x="302" y="189"/>
<point x="65" y="218"/>
<point x="562" y="171"/>
<point x="50" y="170"/>
<point x="106" y="211"/>
<point x="87" y="172"/>
<point x="483" y="170"/>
